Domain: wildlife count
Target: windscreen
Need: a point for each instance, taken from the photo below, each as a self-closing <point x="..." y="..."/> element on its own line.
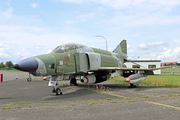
<point x="67" y="47"/>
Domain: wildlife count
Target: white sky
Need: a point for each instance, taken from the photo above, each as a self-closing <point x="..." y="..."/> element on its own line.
<point x="33" y="27"/>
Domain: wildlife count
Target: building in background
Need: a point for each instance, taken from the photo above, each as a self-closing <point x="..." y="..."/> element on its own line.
<point x="145" y="64"/>
<point x="167" y="63"/>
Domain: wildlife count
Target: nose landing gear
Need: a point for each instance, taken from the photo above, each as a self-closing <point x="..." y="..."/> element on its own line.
<point x="29" y="78"/>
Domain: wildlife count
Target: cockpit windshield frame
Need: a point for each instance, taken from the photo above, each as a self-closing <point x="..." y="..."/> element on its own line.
<point x="67" y="47"/>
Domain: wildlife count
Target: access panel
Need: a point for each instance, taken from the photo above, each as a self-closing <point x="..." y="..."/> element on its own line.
<point x="82" y="64"/>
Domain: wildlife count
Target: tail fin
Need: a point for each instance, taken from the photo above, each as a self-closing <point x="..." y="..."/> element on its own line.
<point x="121" y="48"/>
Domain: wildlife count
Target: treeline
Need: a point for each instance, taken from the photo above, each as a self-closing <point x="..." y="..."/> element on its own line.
<point x="171" y="64"/>
<point x="8" y="64"/>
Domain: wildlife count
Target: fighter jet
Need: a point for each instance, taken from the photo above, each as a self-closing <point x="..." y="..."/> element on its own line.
<point x="93" y="65"/>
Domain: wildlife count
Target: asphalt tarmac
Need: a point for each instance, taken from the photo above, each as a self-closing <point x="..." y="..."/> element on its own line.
<point x="21" y="100"/>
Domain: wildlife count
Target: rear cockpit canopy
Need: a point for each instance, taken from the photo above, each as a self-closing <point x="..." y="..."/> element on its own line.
<point x="67" y="47"/>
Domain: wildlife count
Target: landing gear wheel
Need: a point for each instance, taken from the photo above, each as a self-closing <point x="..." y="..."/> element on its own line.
<point x="29" y="79"/>
<point x="53" y="91"/>
<point x="53" y="83"/>
<point x="73" y="82"/>
<point x="132" y="86"/>
<point x="58" y="91"/>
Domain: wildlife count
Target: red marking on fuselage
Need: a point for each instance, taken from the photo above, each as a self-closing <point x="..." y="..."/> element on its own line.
<point x="66" y="59"/>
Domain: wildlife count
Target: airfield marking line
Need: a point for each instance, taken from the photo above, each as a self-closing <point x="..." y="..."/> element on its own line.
<point x="163" y="105"/>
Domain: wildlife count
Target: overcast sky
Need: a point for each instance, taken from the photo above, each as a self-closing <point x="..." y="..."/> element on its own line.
<point x="33" y="27"/>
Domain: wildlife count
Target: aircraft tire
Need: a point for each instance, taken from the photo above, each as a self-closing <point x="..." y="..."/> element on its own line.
<point x="29" y="79"/>
<point x="73" y="82"/>
<point x="58" y="91"/>
<point x="132" y="86"/>
<point x="53" y="91"/>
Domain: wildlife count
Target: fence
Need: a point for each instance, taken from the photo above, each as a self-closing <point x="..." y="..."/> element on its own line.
<point x="7" y="68"/>
<point x="175" y="69"/>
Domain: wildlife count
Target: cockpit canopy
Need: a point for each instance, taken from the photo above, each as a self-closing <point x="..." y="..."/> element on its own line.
<point x="67" y="47"/>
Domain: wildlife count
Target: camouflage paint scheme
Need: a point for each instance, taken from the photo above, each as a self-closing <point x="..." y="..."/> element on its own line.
<point x="94" y="65"/>
<point x="78" y="61"/>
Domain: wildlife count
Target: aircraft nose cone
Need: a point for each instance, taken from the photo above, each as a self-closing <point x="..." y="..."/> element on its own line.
<point x="28" y="65"/>
<point x="128" y="80"/>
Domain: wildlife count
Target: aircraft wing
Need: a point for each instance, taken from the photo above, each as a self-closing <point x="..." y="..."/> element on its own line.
<point x="123" y="68"/>
<point x="159" y="68"/>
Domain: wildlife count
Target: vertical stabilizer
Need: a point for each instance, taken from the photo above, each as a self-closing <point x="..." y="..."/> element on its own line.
<point x="121" y="48"/>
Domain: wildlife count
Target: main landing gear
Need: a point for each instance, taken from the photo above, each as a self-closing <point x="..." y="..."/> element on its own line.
<point x="73" y="81"/>
<point x="56" y="91"/>
<point x="53" y="83"/>
<point x="132" y="85"/>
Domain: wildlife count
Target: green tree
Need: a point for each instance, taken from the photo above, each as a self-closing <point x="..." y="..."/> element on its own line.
<point x="178" y="64"/>
<point x="170" y="64"/>
<point x="2" y="65"/>
<point x="9" y="64"/>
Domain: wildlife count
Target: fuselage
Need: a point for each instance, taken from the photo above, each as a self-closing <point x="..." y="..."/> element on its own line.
<point x="71" y="59"/>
